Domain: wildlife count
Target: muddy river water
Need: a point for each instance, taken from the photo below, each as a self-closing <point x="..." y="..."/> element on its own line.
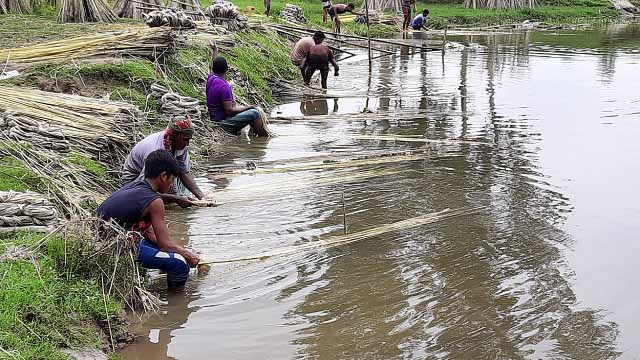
<point x="529" y="139"/>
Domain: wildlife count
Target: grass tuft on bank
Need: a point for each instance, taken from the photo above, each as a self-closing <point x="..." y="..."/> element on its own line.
<point x="44" y="310"/>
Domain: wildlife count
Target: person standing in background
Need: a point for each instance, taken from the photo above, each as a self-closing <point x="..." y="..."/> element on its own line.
<point x="267" y="7"/>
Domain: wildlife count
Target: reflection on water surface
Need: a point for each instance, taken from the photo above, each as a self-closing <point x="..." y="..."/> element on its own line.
<point x="542" y="130"/>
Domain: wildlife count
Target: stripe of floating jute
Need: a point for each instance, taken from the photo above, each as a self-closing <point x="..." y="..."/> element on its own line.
<point x="339" y="240"/>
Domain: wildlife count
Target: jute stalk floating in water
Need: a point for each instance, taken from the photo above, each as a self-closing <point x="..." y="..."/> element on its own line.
<point x="294" y="188"/>
<point x="335" y="165"/>
<point x="265" y="124"/>
<point x="150" y="43"/>
<point x="82" y="11"/>
<point x="339" y="240"/>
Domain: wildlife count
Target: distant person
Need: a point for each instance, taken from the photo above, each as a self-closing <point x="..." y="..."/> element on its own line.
<point x="406" y="14"/>
<point x="326" y="5"/>
<point x="267" y="7"/>
<point x="420" y="21"/>
<point x="318" y="59"/>
<point x="138" y="207"/>
<point x="339" y="9"/>
<point x="222" y="107"/>
<point x="301" y="49"/>
<point x="175" y="139"/>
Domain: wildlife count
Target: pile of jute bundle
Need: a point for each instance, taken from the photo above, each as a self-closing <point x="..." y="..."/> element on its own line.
<point x="82" y="11"/>
<point x="191" y="7"/>
<point x="222" y="12"/>
<point x="26" y="211"/>
<point x="23" y="128"/>
<point x="15" y="7"/>
<point x="136" y="9"/>
<point x="173" y="104"/>
<point x="143" y="42"/>
<point x="293" y="13"/>
<point x="169" y="17"/>
<point x="92" y="126"/>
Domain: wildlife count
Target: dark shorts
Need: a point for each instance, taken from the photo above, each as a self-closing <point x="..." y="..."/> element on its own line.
<point x="234" y="124"/>
<point x="312" y="67"/>
<point x="332" y="12"/>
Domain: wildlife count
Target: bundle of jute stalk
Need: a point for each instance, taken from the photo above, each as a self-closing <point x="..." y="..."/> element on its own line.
<point x="68" y="185"/>
<point x="136" y="9"/>
<point x="150" y="43"/>
<point x="26" y="211"/>
<point x="99" y="129"/>
<point x="16" y="6"/>
<point x="82" y="11"/>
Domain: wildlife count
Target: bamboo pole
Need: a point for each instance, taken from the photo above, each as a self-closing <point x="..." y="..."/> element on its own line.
<point x="366" y="9"/>
<point x="383" y="41"/>
<point x="330" y="47"/>
<point x="336" y="40"/>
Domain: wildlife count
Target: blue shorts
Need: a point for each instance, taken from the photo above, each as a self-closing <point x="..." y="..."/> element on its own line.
<point x="234" y="124"/>
<point x="173" y="264"/>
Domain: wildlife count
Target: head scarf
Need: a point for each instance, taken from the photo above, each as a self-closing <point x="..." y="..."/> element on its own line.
<point x="178" y="125"/>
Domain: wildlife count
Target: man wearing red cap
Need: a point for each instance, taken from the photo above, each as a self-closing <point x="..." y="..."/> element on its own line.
<point x="175" y="138"/>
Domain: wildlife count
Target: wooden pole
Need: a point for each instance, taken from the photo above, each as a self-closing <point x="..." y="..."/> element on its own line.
<point x="366" y="11"/>
<point x="444" y="39"/>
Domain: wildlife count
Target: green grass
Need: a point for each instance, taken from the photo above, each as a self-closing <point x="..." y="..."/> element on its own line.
<point x="452" y="13"/>
<point x="455" y="14"/>
<point x="19" y="30"/>
<point x="260" y="57"/>
<point x="14" y="176"/>
<point x="43" y="311"/>
<point x="89" y="165"/>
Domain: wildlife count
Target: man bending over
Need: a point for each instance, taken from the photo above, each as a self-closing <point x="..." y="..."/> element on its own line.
<point x="318" y="59"/>
<point x="339" y="9"/>
<point x="138" y="206"/>
<point x="301" y="49"/>
<point x="420" y="21"/>
<point x="175" y="138"/>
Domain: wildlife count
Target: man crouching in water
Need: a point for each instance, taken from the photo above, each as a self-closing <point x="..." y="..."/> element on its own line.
<point x="138" y="206"/>
<point x="319" y="58"/>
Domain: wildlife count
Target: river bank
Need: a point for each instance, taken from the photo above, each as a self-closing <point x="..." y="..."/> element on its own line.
<point x="50" y="303"/>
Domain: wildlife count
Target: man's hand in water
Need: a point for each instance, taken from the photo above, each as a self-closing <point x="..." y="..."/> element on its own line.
<point x="191" y="258"/>
<point x="184" y="202"/>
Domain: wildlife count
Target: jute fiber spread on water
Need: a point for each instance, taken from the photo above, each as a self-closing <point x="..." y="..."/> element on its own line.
<point x="339" y="240"/>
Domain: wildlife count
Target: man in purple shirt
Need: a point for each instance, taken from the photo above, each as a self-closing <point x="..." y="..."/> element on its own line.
<point x="222" y="107"/>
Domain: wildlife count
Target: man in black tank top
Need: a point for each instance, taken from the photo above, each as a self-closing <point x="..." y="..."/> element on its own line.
<point x="138" y="206"/>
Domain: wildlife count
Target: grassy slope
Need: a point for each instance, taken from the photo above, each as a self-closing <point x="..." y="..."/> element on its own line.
<point x="455" y="14"/>
<point x="44" y="309"/>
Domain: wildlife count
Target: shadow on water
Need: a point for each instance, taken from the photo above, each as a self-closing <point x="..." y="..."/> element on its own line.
<point x="494" y="284"/>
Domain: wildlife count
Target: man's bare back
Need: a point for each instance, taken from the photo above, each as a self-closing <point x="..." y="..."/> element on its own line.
<point x="319" y="57"/>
